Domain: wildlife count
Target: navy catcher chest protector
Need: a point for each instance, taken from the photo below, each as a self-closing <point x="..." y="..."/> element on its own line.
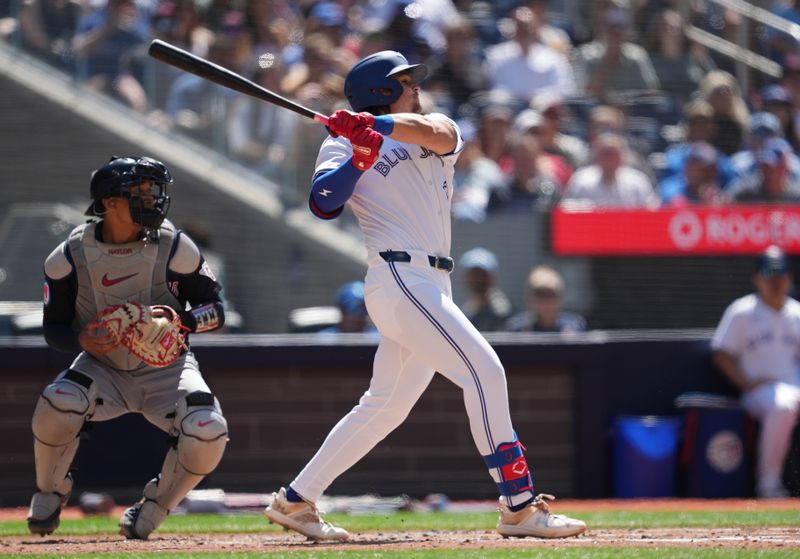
<point x="369" y="83"/>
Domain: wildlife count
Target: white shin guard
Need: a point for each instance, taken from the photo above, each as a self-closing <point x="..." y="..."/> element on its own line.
<point x="202" y="437"/>
<point x="60" y="413"/>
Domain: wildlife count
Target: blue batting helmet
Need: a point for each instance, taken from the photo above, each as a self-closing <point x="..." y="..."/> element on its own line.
<point x="369" y="83"/>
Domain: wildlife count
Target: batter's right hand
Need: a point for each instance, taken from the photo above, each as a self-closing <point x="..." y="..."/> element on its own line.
<point x="344" y="123"/>
<point x="366" y="147"/>
<point x="96" y="339"/>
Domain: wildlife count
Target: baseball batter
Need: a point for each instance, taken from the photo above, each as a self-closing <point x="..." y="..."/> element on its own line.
<point x="130" y="253"/>
<point x="756" y="345"/>
<point x="394" y="166"/>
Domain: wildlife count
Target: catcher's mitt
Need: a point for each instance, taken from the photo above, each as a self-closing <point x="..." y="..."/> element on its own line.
<point x="153" y="334"/>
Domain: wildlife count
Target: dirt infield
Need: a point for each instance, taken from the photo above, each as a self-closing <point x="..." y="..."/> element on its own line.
<point x="787" y="538"/>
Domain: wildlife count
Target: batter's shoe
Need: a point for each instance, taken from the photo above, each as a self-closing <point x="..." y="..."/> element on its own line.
<point x="303" y="518"/>
<point x="536" y="520"/>
<point x="44" y="516"/>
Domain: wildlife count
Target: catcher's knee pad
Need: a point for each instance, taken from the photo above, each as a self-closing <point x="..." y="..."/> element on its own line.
<point x="60" y="414"/>
<point x="62" y="409"/>
<point x="202" y="433"/>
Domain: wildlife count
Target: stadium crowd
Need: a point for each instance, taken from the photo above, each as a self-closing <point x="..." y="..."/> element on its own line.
<point x="607" y="102"/>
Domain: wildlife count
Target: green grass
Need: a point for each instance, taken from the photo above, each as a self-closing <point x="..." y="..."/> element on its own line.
<point x="252" y="523"/>
<point x="255" y="523"/>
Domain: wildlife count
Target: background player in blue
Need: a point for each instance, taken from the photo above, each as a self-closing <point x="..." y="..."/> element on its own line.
<point x="131" y="253"/>
<point x="394" y="166"/>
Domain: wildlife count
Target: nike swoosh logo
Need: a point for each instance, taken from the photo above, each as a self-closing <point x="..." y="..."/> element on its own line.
<point x="64" y="392"/>
<point x="204" y="423"/>
<point x="108" y="282"/>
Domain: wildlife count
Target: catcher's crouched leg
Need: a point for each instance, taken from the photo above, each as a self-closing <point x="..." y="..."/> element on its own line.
<point x="202" y="434"/>
<point x="60" y="414"/>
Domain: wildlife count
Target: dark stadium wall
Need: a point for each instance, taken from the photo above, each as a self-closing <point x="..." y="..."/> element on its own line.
<point x="282" y="396"/>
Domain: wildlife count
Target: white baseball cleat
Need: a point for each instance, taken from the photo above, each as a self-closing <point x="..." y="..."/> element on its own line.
<point x="536" y="520"/>
<point x="303" y="518"/>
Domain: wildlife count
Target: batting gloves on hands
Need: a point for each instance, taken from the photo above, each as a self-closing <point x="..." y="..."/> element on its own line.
<point x="366" y="147"/>
<point x="344" y="123"/>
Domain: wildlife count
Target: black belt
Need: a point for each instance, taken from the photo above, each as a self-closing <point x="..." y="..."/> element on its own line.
<point x="439" y="262"/>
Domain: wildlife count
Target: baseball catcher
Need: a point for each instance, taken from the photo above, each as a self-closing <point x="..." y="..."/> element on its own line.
<point x="125" y="290"/>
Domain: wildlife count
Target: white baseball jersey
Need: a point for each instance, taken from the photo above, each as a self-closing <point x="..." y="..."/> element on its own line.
<point x="403" y="205"/>
<point x="766" y="341"/>
<point x="403" y="201"/>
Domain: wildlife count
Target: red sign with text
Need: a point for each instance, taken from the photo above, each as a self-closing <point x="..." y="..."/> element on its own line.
<point x="675" y="231"/>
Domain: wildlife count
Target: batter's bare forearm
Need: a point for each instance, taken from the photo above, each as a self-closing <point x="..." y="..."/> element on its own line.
<point x="439" y="136"/>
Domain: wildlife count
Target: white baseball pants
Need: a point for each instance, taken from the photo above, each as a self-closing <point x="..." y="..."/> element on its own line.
<point x="422" y="332"/>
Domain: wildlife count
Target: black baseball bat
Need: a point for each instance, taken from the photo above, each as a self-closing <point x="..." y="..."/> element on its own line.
<point x="206" y="69"/>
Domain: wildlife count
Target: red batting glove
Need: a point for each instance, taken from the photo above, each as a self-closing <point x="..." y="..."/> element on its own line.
<point x="344" y="123"/>
<point x="366" y="147"/>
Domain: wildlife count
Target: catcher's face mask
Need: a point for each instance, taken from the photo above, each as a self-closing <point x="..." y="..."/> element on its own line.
<point x="125" y="177"/>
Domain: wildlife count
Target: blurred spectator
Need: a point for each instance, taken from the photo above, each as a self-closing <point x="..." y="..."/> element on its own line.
<point x="679" y="64"/>
<point x="482" y="16"/>
<point x="415" y="27"/>
<point x="550" y="35"/>
<point x="272" y="24"/>
<point x="103" y="40"/>
<point x="791" y="80"/>
<point x="460" y="74"/>
<point x="699" y="183"/>
<point x="755" y="348"/>
<point x="260" y="134"/>
<point x="329" y="19"/>
<point x="731" y="117"/>
<point x="402" y="30"/>
<point x="495" y="133"/>
<point x="47" y="27"/>
<point x="532" y="182"/>
<point x="777" y="100"/>
<point x="553" y="139"/>
<point x="523" y="66"/>
<point x="608" y="119"/>
<point x="612" y="63"/>
<point x="476" y="177"/>
<point x="697" y="126"/>
<point x="763" y="126"/>
<point x="555" y="166"/>
<point x="780" y="45"/>
<point x="772" y="183"/>
<point x="544" y="297"/>
<point x="197" y="107"/>
<point x="8" y="20"/>
<point x="180" y="23"/>
<point x="318" y="78"/>
<point x="354" y="316"/>
<point x="487" y="307"/>
<point x="609" y="182"/>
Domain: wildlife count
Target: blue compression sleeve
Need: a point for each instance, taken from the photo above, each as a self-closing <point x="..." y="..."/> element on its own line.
<point x="384" y="124"/>
<point x="331" y="189"/>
